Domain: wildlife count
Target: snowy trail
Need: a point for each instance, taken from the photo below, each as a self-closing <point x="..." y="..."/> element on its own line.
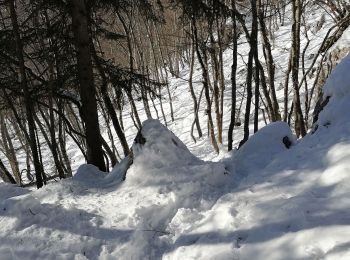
<point x="295" y="207"/>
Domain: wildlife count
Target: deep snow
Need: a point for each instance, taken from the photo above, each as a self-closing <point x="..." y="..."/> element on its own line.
<point x="263" y="201"/>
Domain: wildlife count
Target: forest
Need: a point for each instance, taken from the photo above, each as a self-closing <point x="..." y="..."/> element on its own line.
<point x="175" y="129"/>
<point x="69" y="71"/>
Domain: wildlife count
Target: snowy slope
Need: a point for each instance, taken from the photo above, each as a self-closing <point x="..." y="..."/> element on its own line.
<point x="262" y="202"/>
<point x="278" y="203"/>
<point x="96" y="215"/>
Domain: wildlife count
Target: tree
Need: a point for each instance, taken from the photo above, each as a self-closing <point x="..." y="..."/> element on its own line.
<point x="233" y="76"/>
<point x="27" y="96"/>
<point x="82" y="39"/>
<point x="300" y="128"/>
<point x="252" y="53"/>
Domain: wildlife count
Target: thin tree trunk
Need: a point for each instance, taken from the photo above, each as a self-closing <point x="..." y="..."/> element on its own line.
<point x="62" y="142"/>
<point x="299" y="118"/>
<point x="256" y="96"/>
<point x="286" y="89"/>
<point x="166" y="75"/>
<point x="270" y="64"/>
<point x="206" y="87"/>
<point x="131" y="65"/>
<point x="27" y="97"/>
<point x="50" y="141"/>
<point x="215" y="72"/>
<point x="193" y="95"/>
<point x="5" y="175"/>
<point x="109" y="105"/>
<point x="10" y="150"/>
<point x="220" y="32"/>
<point x="253" y="49"/>
<point x="233" y="77"/>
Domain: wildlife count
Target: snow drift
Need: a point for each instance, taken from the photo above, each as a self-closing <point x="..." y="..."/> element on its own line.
<point x="96" y="215"/>
<point x="263" y="147"/>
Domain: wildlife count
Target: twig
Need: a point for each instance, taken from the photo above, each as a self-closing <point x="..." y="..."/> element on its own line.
<point x="158" y="231"/>
<point x="31" y="212"/>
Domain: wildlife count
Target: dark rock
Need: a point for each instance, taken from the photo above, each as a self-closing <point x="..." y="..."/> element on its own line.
<point x="287" y="142"/>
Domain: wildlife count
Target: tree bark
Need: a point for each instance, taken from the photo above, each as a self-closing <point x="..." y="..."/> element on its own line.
<point x="109" y="105"/>
<point x="10" y="150"/>
<point x="270" y="64"/>
<point x="27" y="96"/>
<point x="193" y="94"/>
<point x="87" y="90"/>
<point x="5" y="174"/>
<point x="233" y="77"/>
<point x="298" y="113"/>
<point x="253" y="49"/>
<point x="206" y="87"/>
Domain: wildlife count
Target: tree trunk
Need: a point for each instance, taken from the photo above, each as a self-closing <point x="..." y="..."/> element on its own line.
<point x="270" y="64"/>
<point x="131" y="65"/>
<point x="206" y="87"/>
<point x="233" y="77"/>
<point x="109" y="105"/>
<point x="193" y="94"/>
<point x="27" y="96"/>
<point x="10" y="150"/>
<point x="252" y="53"/>
<point x="298" y="113"/>
<point x="286" y="88"/>
<point x="5" y="175"/>
<point x="215" y="72"/>
<point x="87" y="89"/>
<point x="62" y="142"/>
<point x="50" y="144"/>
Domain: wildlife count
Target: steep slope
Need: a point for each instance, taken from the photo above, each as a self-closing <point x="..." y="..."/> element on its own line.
<point x="95" y="215"/>
<point x="296" y="207"/>
<point x="264" y="202"/>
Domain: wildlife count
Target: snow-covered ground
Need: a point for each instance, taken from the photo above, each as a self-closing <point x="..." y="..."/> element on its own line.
<point x="263" y="201"/>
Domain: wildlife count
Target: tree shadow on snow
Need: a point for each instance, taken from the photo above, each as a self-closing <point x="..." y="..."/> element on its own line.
<point x="55" y="228"/>
<point x="316" y="206"/>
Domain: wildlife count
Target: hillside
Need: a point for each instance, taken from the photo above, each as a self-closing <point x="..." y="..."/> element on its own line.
<point x="277" y="197"/>
<point x="279" y="204"/>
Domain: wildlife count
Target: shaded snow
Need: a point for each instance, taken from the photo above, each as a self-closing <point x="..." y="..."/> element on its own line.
<point x="262" y="147"/>
<point x="338" y="83"/>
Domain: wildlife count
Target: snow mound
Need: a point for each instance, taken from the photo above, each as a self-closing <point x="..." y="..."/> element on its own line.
<point x="263" y="147"/>
<point x="161" y="148"/>
<point x="88" y="171"/>
<point x="163" y="158"/>
<point x="337" y="87"/>
<point x="90" y="176"/>
<point x="338" y="83"/>
<point x="164" y="183"/>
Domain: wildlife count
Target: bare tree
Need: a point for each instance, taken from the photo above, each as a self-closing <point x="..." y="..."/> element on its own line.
<point x="82" y="38"/>
<point x="300" y="128"/>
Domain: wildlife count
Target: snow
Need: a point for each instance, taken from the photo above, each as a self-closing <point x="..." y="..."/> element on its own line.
<point x="337" y="87"/>
<point x="263" y="147"/>
<point x="263" y="201"/>
<point x="290" y="204"/>
<point x="338" y="83"/>
<point x="162" y="148"/>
